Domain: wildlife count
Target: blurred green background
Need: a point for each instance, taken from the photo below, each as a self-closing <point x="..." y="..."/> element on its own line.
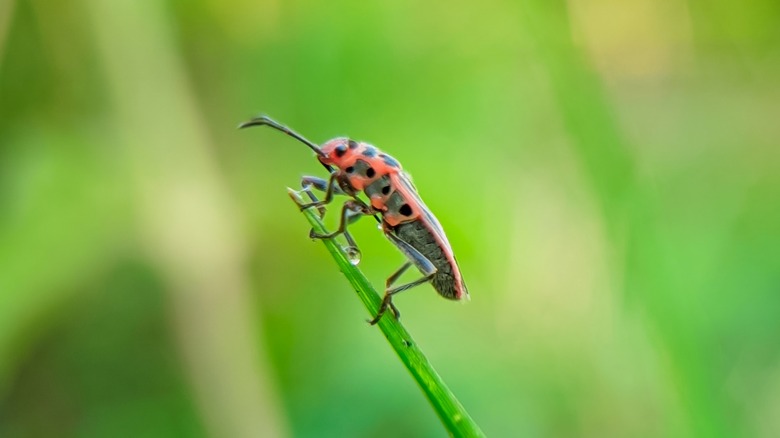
<point x="608" y="174"/>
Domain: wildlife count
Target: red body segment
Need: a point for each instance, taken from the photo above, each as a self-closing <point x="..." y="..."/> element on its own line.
<point x="344" y="153"/>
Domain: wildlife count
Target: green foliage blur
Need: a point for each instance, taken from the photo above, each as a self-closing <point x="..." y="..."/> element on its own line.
<point x="607" y="172"/>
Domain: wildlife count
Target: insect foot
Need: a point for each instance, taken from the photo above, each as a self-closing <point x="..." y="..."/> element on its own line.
<point x="295" y="196"/>
<point x="387" y="303"/>
<point x="315" y="235"/>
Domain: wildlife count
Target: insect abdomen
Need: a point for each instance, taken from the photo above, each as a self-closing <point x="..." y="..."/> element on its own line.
<point x="416" y="234"/>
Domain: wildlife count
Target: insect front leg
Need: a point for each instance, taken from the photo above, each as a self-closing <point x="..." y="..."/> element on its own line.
<point x="330" y="187"/>
<point x="307" y="182"/>
<point x="415" y="258"/>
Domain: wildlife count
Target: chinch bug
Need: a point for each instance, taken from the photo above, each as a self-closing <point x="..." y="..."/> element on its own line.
<point x="356" y="167"/>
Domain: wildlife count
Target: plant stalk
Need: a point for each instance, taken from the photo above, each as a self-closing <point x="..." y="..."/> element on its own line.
<point x="454" y="416"/>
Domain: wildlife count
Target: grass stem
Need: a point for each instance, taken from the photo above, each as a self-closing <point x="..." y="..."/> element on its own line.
<point x="447" y="407"/>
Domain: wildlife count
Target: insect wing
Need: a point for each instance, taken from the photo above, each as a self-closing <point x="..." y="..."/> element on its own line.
<point x="403" y="183"/>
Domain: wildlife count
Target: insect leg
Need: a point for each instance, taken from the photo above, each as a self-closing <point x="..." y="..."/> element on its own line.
<point x="351" y="212"/>
<point x="309" y="182"/>
<point x="352" y="250"/>
<point x="330" y="187"/>
<point x="415" y="257"/>
<point x="318" y="183"/>
<point x="387" y="301"/>
<point x="391" y="280"/>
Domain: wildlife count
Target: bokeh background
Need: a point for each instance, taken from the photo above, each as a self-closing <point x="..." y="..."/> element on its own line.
<point x="608" y="173"/>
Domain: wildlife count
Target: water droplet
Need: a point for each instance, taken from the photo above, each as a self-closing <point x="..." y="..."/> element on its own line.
<point x="353" y="254"/>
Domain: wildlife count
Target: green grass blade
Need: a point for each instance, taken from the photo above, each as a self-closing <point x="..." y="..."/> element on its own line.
<point x="447" y="407"/>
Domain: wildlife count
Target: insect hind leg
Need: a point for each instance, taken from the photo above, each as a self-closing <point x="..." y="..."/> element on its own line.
<point x="387" y="301"/>
<point x="415" y="258"/>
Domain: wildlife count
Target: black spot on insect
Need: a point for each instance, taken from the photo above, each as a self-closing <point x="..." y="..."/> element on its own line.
<point x="341" y="150"/>
<point x="405" y="210"/>
<point x="352" y="144"/>
<point x="369" y="152"/>
<point x="386" y="190"/>
<point x="390" y="161"/>
<point x="350" y="169"/>
<point x="370" y="172"/>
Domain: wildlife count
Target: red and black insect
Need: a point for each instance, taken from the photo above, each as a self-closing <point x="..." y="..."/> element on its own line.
<point x="356" y="167"/>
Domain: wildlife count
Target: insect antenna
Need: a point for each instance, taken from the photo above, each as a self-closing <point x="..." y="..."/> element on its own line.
<point x="267" y="121"/>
